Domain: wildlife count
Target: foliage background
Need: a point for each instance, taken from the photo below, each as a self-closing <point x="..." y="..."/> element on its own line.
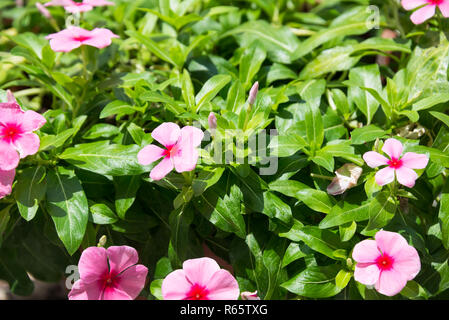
<point x="321" y="88"/>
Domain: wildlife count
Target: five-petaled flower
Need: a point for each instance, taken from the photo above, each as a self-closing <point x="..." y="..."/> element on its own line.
<point x="180" y="149"/>
<point x="387" y="262"/>
<point x="17" y="139"/>
<point x="427" y="9"/>
<point x="401" y="166"/>
<point x="200" y="279"/>
<point x="74" y="37"/>
<point x="109" y="274"/>
<point x="77" y="7"/>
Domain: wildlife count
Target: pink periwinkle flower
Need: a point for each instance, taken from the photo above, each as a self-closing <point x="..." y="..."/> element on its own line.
<point x="17" y="139"/>
<point x="74" y="37"/>
<point x="401" y="166"/>
<point x="427" y="9"/>
<point x="109" y="274"/>
<point x="200" y="279"/>
<point x="387" y="262"/>
<point x="6" y="180"/>
<point x="77" y="7"/>
<point x="180" y="149"/>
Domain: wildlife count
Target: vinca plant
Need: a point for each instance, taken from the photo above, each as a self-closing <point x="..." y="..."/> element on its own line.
<point x="224" y="150"/>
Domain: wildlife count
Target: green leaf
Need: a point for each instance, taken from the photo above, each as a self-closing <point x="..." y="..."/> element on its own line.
<point x="322" y="241"/>
<point x="101" y="130"/>
<point x="153" y="47"/>
<point x="117" y="107"/>
<point x="443" y="217"/>
<point x="342" y="279"/>
<point x="104" y="158"/>
<point x="223" y="210"/>
<point x="30" y="190"/>
<point x="102" y="214"/>
<point x="441" y="116"/>
<point x="125" y="193"/>
<point x="315" y="199"/>
<point x="314" y="282"/>
<point x="67" y="205"/>
<point x="345" y="212"/>
<point x="250" y="63"/>
<point x="381" y="210"/>
<point x="366" y="134"/>
<point x="366" y="76"/>
<point x="210" y="89"/>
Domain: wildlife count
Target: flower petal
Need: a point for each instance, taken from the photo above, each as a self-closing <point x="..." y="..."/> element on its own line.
<point x="114" y="294"/>
<point x="120" y="258"/>
<point x="149" y="154"/>
<point x="191" y="137"/>
<point x="132" y="280"/>
<point x="390" y="283"/>
<point x="167" y="134"/>
<point x="78" y="8"/>
<point x="100" y="38"/>
<point x="366" y="251"/>
<point x="32" y="121"/>
<point x="223" y="286"/>
<point x="406" y="176"/>
<point x="415" y="160"/>
<point x="423" y="14"/>
<point x="412" y="4"/>
<point x="9" y="158"/>
<point x="390" y="242"/>
<point x="162" y="169"/>
<point x="175" y="286"/>
<point x="444" y="8"/>
<point x="98" y="3"/>
<point x="406" y="261"/>
<point x="366" y="273"/>
<point x="384" y="176"/>
<point x="85" y="291"/>
<point x="200" y="271"/>
<point x="27" y="144"/>
<point x="6" y="180"/>
<point x="93" y="264"/>
<point x="374" y="159"/>
<point x="63" y="41"/>
<point x="186" y="159"/>
<point x="393" y="148"/>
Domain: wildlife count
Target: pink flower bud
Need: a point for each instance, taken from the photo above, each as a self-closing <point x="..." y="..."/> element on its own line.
<point x="19" y="3"/>
<point x="253" y="93"/>
<point x="346" y="178"/>
<point x="212" y="119"/>
<point x="44" y="11"/>
<point x="249" y="295"/>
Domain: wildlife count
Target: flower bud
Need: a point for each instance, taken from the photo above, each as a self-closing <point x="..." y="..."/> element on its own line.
<point x="249" y="295"/>
<point x="212" y="119"/>
<point x="253" y="93"/>
<point x="44" y="11"/>
<point x="346" y="178"/>
<point x="102" y="241"/>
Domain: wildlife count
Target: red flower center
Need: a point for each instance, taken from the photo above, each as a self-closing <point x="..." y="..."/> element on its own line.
<point x="395" y="163"/>
<point x="170" y="151"/>
<point x="435" y="2"/>
<point x="109" y="281"/>
<point x="384" y="262"/>
<point x="10" y="132"/>
<point x="197" y="292"/>
<point x="81" y="38"/>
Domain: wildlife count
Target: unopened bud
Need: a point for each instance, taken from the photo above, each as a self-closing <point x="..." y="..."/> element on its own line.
<point x="102" y="241"/>
<point x="349" y="263"/>
<point x="377" y="145"/>
<point x="212" y="119"/>
<point x="249" y="295"/>
<point x="346" y="178"/>
<point x="253" y="93"/>
<point x="44" y="11"/>
<point x="19" y="3"/>
<point x="10" y="97"/>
